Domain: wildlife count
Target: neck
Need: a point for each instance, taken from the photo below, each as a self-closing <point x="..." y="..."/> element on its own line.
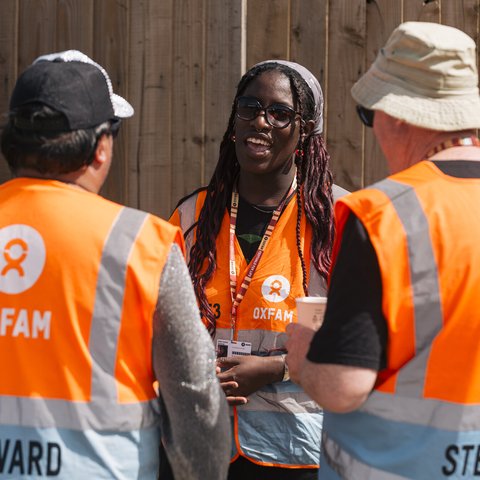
<point x="416" y="144"/>
<point x="457" y="148"/>
<point x="441" y="141"/>
<point x="74" y="179"/>
<point x="265" y="189"/>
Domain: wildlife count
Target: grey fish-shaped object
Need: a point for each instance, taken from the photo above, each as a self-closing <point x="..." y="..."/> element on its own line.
<point x="195" y="417"/>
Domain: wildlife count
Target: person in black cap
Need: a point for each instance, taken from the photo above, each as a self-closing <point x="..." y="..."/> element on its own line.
<point x="95" y="302"/>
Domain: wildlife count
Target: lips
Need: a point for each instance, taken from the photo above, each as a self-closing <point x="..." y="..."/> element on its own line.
<point x="258" y="144"/>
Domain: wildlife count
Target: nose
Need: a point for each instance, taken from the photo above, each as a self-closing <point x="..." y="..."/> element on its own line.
<point x="260" y="121"/>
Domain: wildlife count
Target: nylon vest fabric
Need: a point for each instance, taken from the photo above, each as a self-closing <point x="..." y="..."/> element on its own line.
<point x="79" y="279"/>
<point x="422" y="421"/>
<point x="280" y="425"/>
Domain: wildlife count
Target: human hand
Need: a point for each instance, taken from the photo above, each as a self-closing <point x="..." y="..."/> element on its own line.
<point x="243" y="375"/>
<point x="227" y="388"/>
<point x="298" y="342"/>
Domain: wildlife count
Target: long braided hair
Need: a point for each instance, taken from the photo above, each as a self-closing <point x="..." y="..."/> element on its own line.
<point x="314" y="192"/>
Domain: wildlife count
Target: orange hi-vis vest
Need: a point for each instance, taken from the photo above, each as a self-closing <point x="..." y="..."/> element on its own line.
<point x="79" y="280"/>
<point x="280" y="425"/>
<point x="422" y="421"/>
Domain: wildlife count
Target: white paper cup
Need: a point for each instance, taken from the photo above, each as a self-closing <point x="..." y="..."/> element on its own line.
<point x="311" y="310"/>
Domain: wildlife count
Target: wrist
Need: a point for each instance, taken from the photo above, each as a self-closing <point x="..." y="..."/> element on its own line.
<point x="275" y="368"/>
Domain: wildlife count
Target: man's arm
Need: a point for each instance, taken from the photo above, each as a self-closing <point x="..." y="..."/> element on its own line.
<point x="338" y="388"/>
<point x="338" y="365"/>
<point x="195" y="418"/>
<point x="343" y="388"/>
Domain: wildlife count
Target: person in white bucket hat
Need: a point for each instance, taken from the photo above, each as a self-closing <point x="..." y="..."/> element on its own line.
<point x="396" y="364"/>
<point x="426" y="75"/>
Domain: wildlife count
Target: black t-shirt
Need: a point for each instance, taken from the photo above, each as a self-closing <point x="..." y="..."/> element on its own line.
<point x="354" y="331"/>
<point x="252" y="221"/>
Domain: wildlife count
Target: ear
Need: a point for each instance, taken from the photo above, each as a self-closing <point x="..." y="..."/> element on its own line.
<point x="103" y="152"/>
<point x="308" y="127"/>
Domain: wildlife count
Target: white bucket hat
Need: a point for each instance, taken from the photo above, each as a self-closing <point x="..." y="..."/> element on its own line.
<point x="425" y="75"/>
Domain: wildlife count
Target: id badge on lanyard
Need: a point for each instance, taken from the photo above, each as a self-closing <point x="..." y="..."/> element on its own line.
<point x="230" y="348"/>
<point x="237" y="296"/>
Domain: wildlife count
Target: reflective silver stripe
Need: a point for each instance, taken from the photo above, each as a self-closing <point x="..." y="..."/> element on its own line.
<point x="317" y="286"/>
<point x="40" y="412"/>
<point x="262" y="340"/>
<point x="186" y="212"/>
<point x="338" y="192"/>
<point x="107" y="311"/>
<point x="424" y="280"/>
<point x="284" y="402"/>
<point x="433" y="413"/>
<point x="348" y="467"/>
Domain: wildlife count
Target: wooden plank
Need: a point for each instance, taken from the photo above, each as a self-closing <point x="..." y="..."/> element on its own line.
<point x="37" y="27"/>
<point x="347" y="41"/>
<point x="178" y="61"/>
<point x="132" y="127"/>
<point x="268" y="27"/>
<point x="8" y="65"/>
<point x="110" y="50"/>
<point x="222" y="73"/>
<point x="383" y="16"/>
<point x="462" y="14"/>
<point x="419" y="11"/>
<point x="150" y="152"/>
<point x="75" y="26"/>
<point x="188" y="127"/>
<point x="308" y="40"/>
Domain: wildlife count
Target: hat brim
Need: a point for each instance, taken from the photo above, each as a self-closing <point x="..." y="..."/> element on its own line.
<point x="121" y="108"/>
<point x="444" y="114"/>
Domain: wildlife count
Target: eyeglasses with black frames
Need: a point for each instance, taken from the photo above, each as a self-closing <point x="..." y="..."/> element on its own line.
<point x="277" y="115"/>
<point x="366" y="116"/>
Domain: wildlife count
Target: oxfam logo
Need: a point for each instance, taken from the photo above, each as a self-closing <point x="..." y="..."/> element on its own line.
<point x="276" y="288"/>
<point x="22" y="258"/>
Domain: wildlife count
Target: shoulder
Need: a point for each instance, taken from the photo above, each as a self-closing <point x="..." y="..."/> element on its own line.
<point x="367" y="200"/>
<point x="380" y="201"/>
<point x="338" y="192"/>
<point x="187" y="210"/>
<point x="191" y="198"/>
<point x="151" y="227"/>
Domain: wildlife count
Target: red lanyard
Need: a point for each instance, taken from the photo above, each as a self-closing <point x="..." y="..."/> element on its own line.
<point x="237" y="297"/>
<point x="454" y="142"/>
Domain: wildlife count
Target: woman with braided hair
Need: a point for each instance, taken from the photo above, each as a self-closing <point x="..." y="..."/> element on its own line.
<point x="258" y="236"/>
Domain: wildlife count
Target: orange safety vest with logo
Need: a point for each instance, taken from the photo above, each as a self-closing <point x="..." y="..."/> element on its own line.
<point x="280" y="425"/>
<point x="422" y="420"/>
<point x="79" y="279"/>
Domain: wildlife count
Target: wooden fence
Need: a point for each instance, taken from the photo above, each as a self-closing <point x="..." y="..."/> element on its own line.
<point x="178" y="63"/>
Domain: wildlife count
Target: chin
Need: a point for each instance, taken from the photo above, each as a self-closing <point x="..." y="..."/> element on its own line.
<point x="254" y="166"/>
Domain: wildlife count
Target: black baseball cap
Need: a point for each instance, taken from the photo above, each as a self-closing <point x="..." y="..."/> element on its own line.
<point x="72" y="84"/>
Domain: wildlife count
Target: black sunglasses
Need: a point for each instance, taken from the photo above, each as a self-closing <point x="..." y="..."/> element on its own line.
<point x="277" y="115"/>
<point x="113" y="129"/>
<point x="366" y="116"/>
<point x="115" y="126"/>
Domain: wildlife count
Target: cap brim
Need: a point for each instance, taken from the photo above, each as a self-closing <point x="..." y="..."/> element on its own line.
<point x="121" y="108"/>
